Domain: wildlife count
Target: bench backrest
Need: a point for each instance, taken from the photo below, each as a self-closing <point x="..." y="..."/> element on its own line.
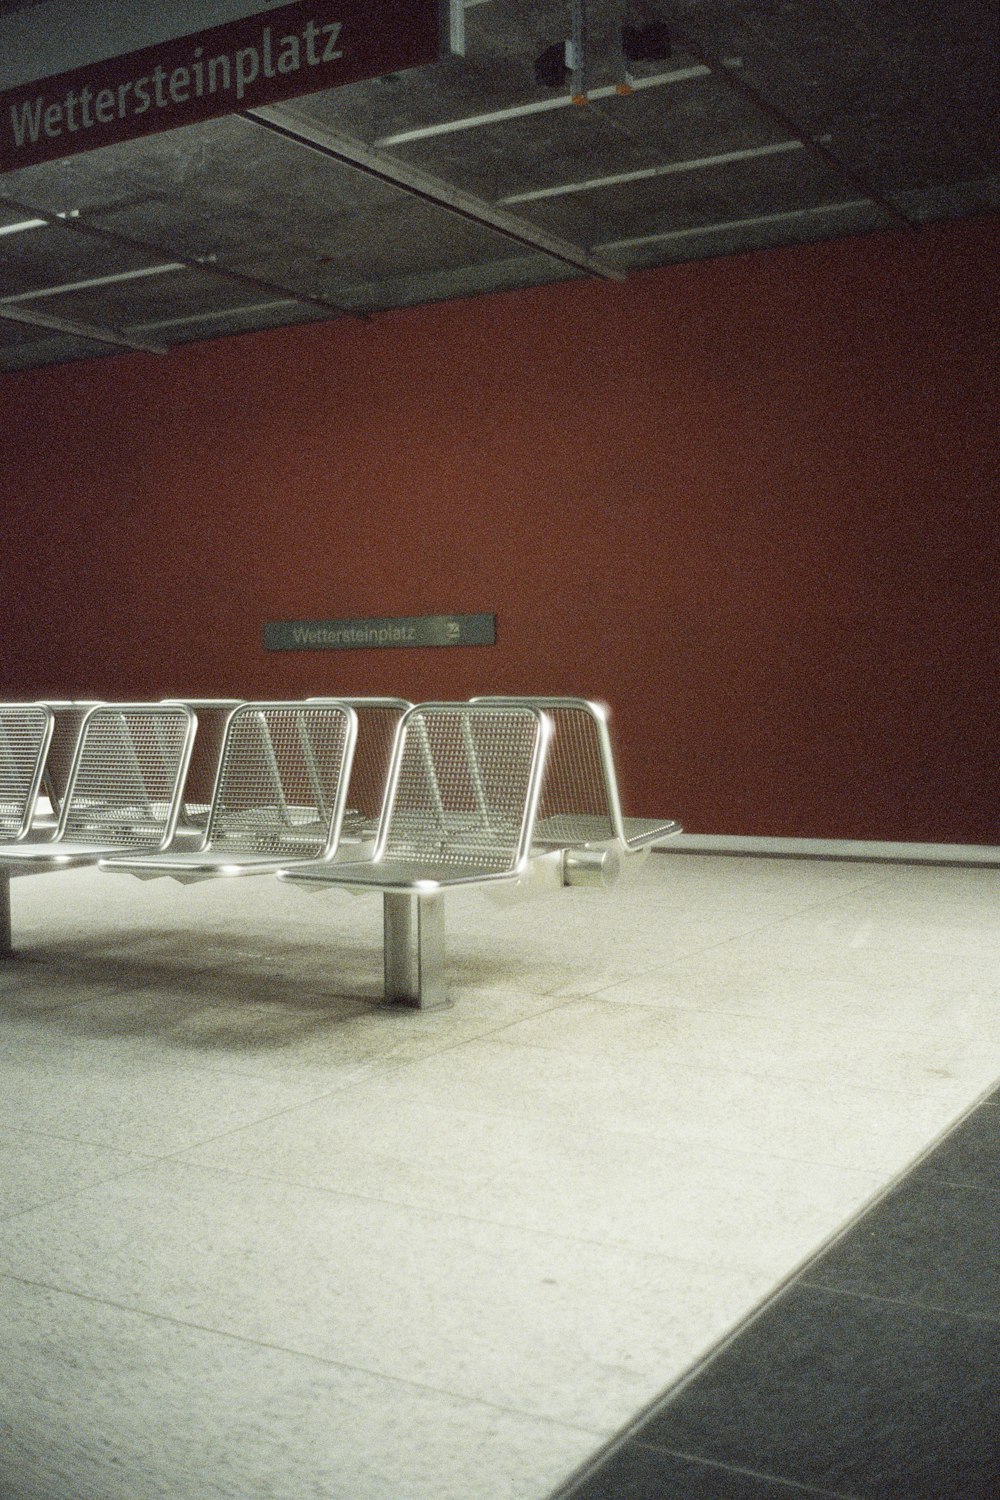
<point x="125" y="783"/>
<point x="68" y="718"/>
<point x="282" y="779"/>
<point x="463" y="786"/>
<point x="25" y="736"/>
<point x="378" y="721"/>
<point x="579" y="799"/>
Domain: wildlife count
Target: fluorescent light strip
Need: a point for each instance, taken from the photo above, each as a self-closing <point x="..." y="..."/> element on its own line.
<point x="22" y="226"/>
<point x="218" y="316"/>
<point x="537" y="107"/>
<point x="93" y="281"/>
<point x="667" y="235"/>
<point x="643" y="173"/>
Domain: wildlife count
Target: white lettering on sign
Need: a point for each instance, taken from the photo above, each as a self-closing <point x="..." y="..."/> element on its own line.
<point x="262" y="59"/>
<point x="204" y="76"/>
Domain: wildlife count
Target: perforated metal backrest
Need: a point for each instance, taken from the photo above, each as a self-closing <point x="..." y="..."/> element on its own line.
<point x="25" y="735"/>
<point x="464" y="786"/>
<point x="213" y="715"/>
<point x="282" y="779"/>
<point x="69" y="717"/>
<point x="378" y="720"/>
<point x="128" y="772"/>
<point x="580" y="788"/>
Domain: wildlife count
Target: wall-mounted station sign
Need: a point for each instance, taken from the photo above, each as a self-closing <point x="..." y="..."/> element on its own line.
<point x="257" y="59"/>
<point x="362" y="635"/>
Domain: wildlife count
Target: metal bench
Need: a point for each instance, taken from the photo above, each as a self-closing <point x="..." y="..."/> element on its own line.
<point x="279" y="795"/>
<point x="459" y="810"/>
<point x="123" y="792"/>
<point x="580" y="824"/>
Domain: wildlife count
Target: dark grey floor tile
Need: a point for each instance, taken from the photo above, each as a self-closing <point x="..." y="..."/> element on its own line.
<point x="929" y="1242"/>
<point x="636" y="1472"/>
<point x="850" y="1394"/>
<point x="970" y="1154"/>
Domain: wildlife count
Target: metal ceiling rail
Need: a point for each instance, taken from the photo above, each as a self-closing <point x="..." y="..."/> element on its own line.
<point x="113" y="336"/>
<point x="420" y="184"/>
<point x="591" y="184"/>
<point x="738" y="84"/>
<point x="92" y="281"/>
<point x="539" y="106"/>
<point x="78" y="225"/>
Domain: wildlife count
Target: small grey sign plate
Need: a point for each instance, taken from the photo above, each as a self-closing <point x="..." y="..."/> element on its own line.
<point x="364" y="635"/>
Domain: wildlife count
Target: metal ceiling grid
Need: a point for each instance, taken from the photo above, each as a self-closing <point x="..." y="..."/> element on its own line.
<point x="760" y="125"/>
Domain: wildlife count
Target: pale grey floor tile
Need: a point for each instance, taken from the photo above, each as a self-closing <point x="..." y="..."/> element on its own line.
<point x="278" y="1027"/>
<point x="520" y="1217"/>
<point x="779" y="949"/>
<point x="557" y="1328"/>
<point x="693" y="1204"/>
<point x="94" y="1091"/>
<point x="933" y="886"/>
<point x="97" y="1403"/>
<point x="705" y="983"/>
<point x="862" y="922"/>
<point x="731" y="879"/>
<point x="762" y="1045"/>
<point x="37" y="1169"/>
<point x="646" y="1094"/>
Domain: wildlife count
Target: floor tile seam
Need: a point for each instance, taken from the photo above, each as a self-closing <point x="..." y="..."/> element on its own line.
<point x="632" y="1437"/>
<point x="703" y="1067"/>
<point x="719" y="1153"/>
<point x="919" y="1033"/>
<point x="932" y="1180"/>
<point x="771" y="1298"/>
<point x="17" y="1131"/>
<point x="908" y="1304"/>
<point x="231" y="1336"/>
<point x="722" y="1270"/>
<point x="671" y="1144"/>
<point x="185" y="1062"/>
<point x="739" y="1469"/>
<point x="288" y="1109"/>
<point x="80" y="1192"/>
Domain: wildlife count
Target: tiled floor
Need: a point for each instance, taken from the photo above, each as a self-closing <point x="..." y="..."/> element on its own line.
<point x="263" y="1239"/>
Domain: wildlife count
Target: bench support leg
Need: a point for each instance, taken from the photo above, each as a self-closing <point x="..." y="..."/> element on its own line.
<point x="414" y="949"/>
<point x="6" y="946"/>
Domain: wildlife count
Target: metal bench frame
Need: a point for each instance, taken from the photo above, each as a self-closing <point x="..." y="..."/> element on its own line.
<point x="226" y="850"/>
<point x="413" y="884"/>
<point x="97" y="815"/>
<point x="581" y="835"/>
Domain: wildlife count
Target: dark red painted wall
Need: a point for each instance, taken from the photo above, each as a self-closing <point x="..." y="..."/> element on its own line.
<point x="751" y="503"/>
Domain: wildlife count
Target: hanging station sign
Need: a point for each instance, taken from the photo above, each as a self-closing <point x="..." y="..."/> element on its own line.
<point x="362" y="635"/>
<point x="259" y="59"/>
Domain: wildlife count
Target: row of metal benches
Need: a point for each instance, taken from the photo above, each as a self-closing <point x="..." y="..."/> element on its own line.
<point x="361" y="794"/>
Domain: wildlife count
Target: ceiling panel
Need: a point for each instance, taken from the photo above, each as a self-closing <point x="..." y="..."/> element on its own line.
<point x="758" y="125"/>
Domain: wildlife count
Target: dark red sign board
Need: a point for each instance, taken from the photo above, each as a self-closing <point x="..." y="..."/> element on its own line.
<point x="260" y="59"/>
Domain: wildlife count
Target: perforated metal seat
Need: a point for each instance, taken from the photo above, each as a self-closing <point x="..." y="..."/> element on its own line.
<point x="459" y="809"/>
<point x="461" y="800"/>
<point x="580" y="807"/>
<point x="279" y="795"/>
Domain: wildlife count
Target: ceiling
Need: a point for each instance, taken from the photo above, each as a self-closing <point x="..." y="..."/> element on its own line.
<point x="744" y="126"/>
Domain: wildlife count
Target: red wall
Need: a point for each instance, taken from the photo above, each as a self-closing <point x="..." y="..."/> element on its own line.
<point x="749" y="502"/>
